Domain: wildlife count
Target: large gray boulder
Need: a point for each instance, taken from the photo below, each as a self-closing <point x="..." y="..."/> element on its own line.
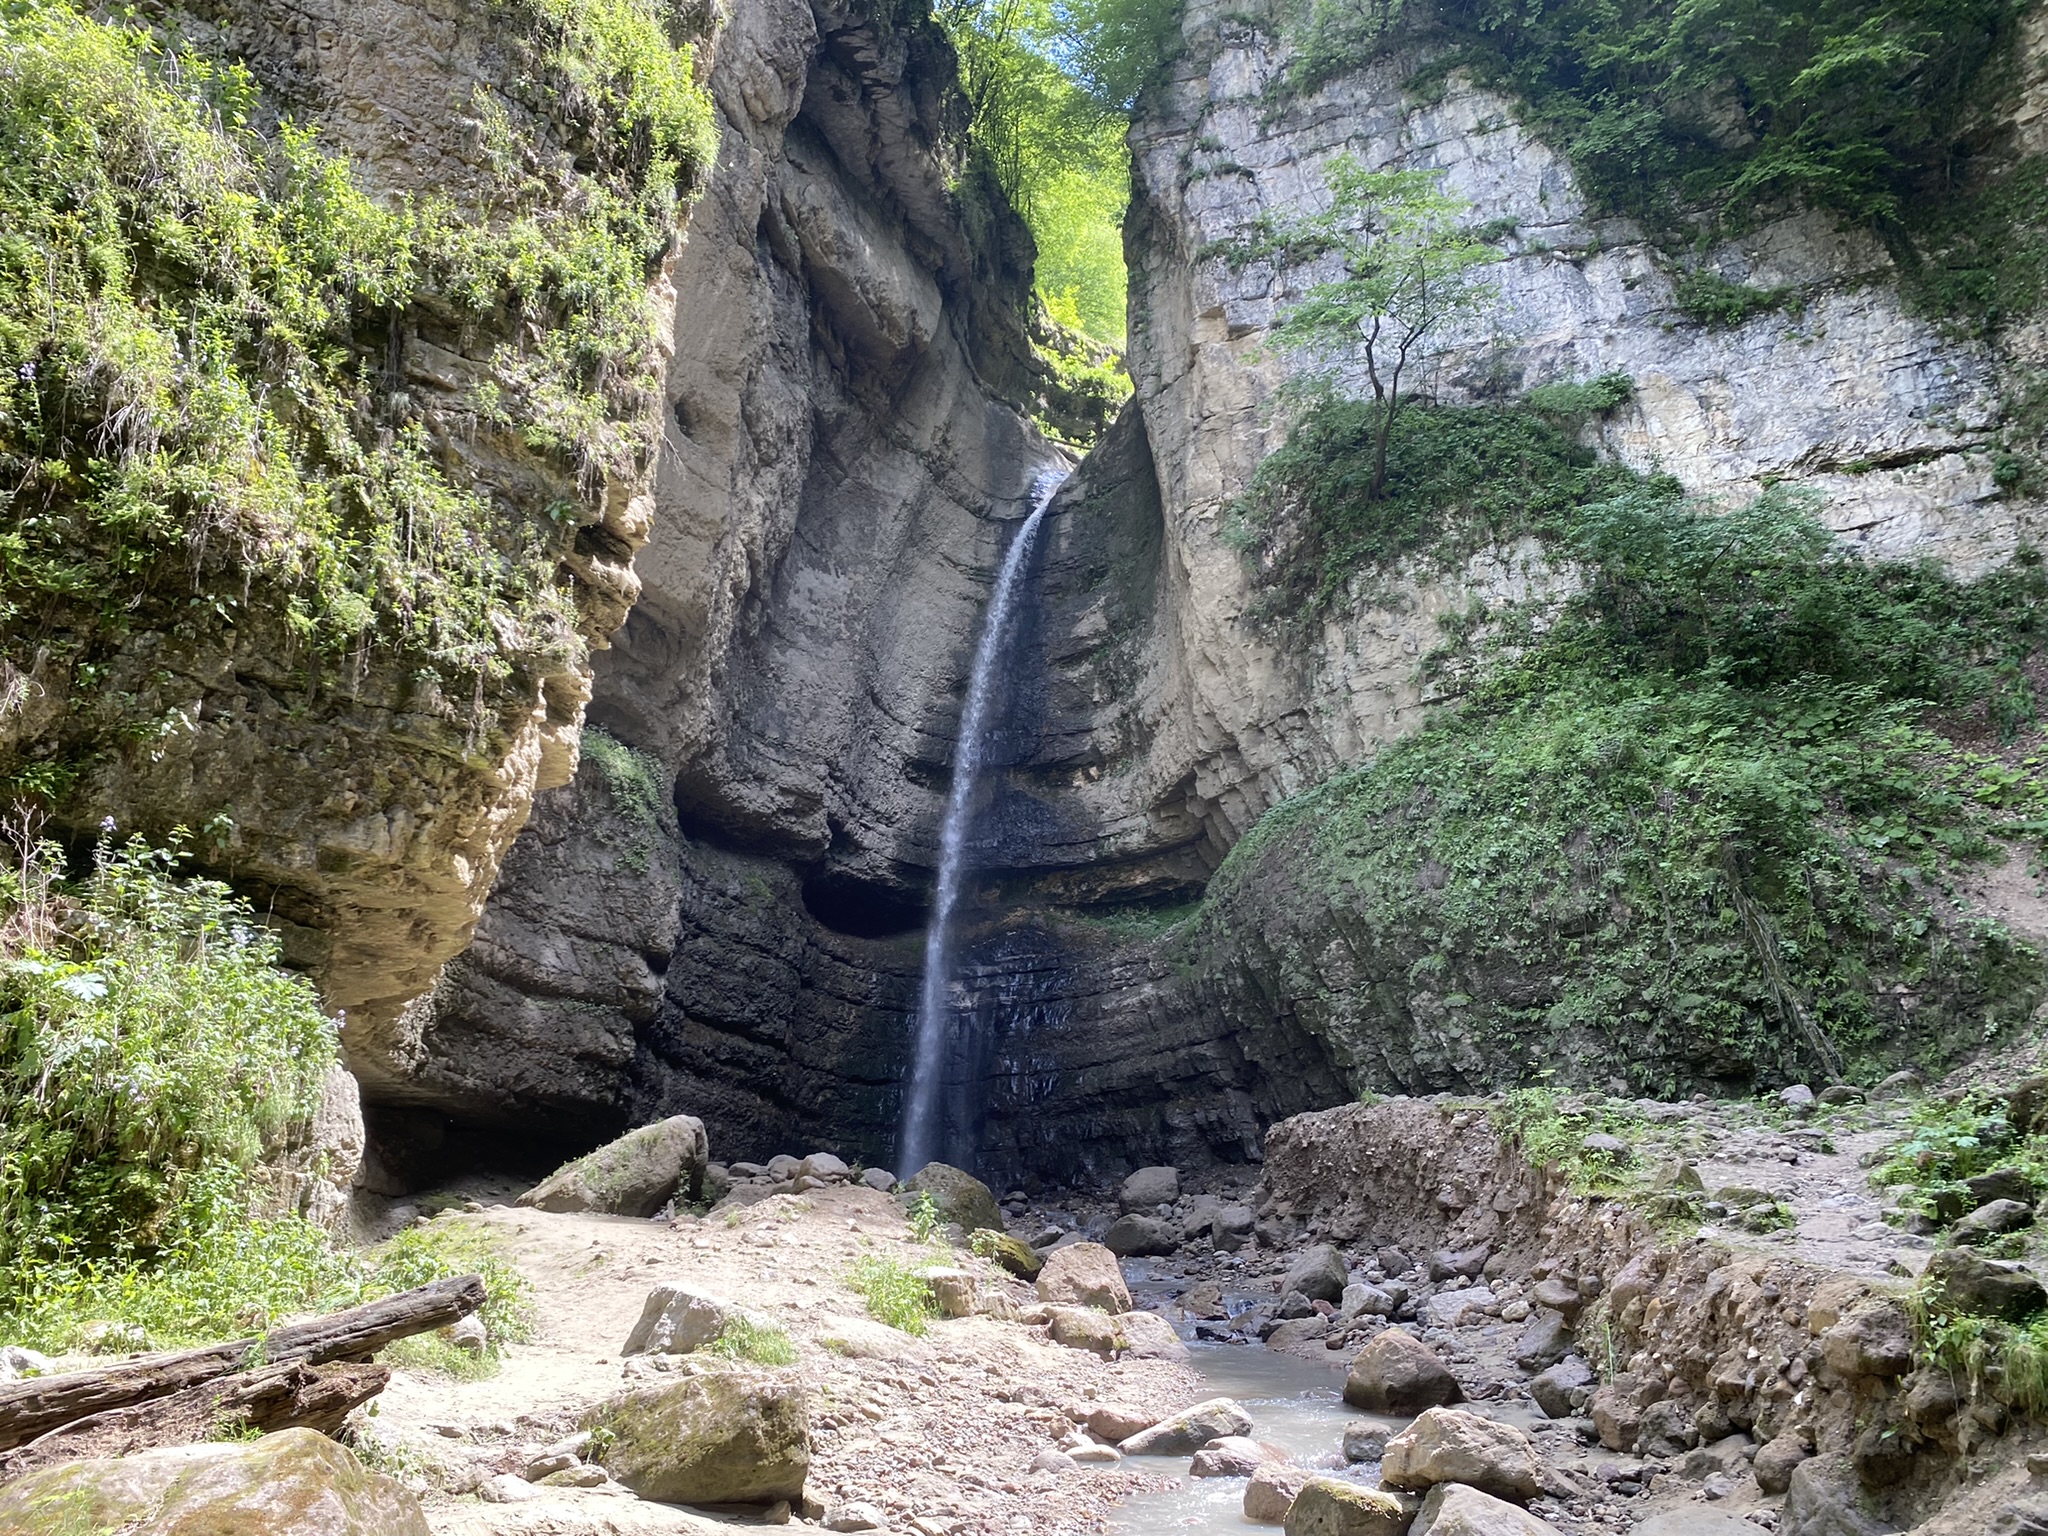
<point x="1319" y="1274"/>
<point x="1135" y="1236"/>
<point x="1453" y="1509"/>
<point x="634" y="1176"/>
<point x="734" y="1436"/>
<point x="675" y="1320"/>
<point x="296" y="1482"/>
<point x="1398" y="1373"/>
<point x="1149" y="1187"/>
<point x="1186" y="1432"/>
<point x="962" y="1199"/>
<point x="1449" y="1445"/>
<point x="1084" y="1275"/>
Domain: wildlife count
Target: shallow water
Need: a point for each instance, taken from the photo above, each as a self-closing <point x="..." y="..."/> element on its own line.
<point x="1295" y="1404"/>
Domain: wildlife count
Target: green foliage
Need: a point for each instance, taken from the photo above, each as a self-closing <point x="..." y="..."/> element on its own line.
<point x="748" y="1338"/>
<point x="151" y="1052"/>
<point x="1708" y="299"/>
<point x="895" y="1293"/>
<point x="1551" y="1133"/>
<point x="1988" y="1358"/>
<point x="1686" y="818"/>
<point x="635" y="781"/>
<point x="1119" y="49"/>
<point x="441" y="1250"/>
<point x="1858" y="107"/>
<point x="1056" y="150"/>
<point x="197" y="313"/>
<point x="1457" y="479"/>
<point x="1948" y="1142"/>
<point x="925" y="1216"/>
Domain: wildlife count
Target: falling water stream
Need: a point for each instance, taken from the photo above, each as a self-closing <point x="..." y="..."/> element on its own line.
<point x="918" y="1142"/>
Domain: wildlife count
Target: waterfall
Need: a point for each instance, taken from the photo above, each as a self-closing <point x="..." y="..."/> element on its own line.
<point x="920" y="1101"/>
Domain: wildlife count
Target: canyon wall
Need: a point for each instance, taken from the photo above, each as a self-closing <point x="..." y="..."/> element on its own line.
<point x="840" y="471"/>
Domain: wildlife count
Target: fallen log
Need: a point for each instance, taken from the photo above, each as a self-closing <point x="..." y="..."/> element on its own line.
<point x="271" y="1398"/>
<point x="29" y="1409"/>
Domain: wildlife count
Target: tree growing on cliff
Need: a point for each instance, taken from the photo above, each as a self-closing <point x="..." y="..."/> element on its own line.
<point x="1410" y="268"/>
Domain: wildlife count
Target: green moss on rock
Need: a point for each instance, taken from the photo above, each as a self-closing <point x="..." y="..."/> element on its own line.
<point x="720" y="1437"/>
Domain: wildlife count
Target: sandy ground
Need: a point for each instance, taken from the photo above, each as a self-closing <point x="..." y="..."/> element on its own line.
<point x="938" y="1432"/>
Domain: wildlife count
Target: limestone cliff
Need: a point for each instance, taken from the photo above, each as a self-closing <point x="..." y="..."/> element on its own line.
<point x="826" y="530"/>
<point x="367" y="795"/>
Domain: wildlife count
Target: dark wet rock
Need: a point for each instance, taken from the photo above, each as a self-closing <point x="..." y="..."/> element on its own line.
<point x="1545" y="1340"/>
<point x="1563" y="1389"/>
<point x="1975" y="1286"/>
<point x="1135" y="1236"/>
<point x="1993" y="1219"/>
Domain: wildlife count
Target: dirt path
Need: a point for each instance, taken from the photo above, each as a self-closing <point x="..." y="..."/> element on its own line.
<point x="936" y="1433"/>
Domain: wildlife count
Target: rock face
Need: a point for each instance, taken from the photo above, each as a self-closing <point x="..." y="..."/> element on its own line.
<point x="371" y="800"/>
<point x="722" y="1437"/>
<point x="634" y="1176"/>
<point x="296" y="1482"/>
<point x="846" y="464"/>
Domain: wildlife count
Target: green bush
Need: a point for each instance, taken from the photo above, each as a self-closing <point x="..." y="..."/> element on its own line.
<point x="1459" y="479"/>
<point x="894" y="1292"/>
<point x="747" y="1338"/>
<point x="1708" y="299"/>
<point x="151" y="1053"/>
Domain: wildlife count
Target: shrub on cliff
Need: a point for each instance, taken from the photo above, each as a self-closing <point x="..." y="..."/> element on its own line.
<point x="1689" y="824"/>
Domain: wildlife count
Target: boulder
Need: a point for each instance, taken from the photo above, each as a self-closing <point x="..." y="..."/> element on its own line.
<point x="954" y="1291"/>
<point x="1298" y="1331"/>
<point x="1319" y="1273"/>
<point x="1234" y="1456"/>
<point x="862" y="1338"/>
<point x="1900" y="1085"/>
<point x="296" y="1482"/>
<point x="1558" y="1294"/>
<point x="825" y="1168"/>
<point x="1366" y="1442"/>
<point x="2000" y="1184"/>
<point x="1186" y="1432"/>
<point x="962" y="1199"/>
<point x="1835" y="1095"/>
<point x="1084" y="1274"/>
<point x="733" y="1436"/>
<point x="1448" y="1445"/>
<point x="1084" y="1328"/>
<point x="1992" y="1219"/>
<point x="1327" y="1507"/>
<point x="1398" y="1373"/>
<point x="1798" y="1096"/>
<point x="878" y="1178"/>
<point x="1148" y="1188"/>
<point x="1362" y="1300"/>
<point x="1447" y="1309"/>
<point x="1561" y="1390"/>
<point x="1113" y="1423"/>
<point x="1148" y="1336"/>
<point x="1545" y="1339"/>
<point x="1874" y="1340"/>
<point x="634" y="1176"/>
<point x="1136" y="1236"/>
<point x="1455" y="1510"/>
<point x="1092" y="1455"/>
<point x="1449" y="1263"/>
<point x="1617" y="1418"/>
<point x="1293" y="1304"/>
<point x="675" y="1320"/>
<point x="1970" y="1284"/>
<point x="1272" y="1491"/>
<point x="1013" y="1253"/>
<point x="1776" y="1460"/>
<point x="1826" y="1499"/>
